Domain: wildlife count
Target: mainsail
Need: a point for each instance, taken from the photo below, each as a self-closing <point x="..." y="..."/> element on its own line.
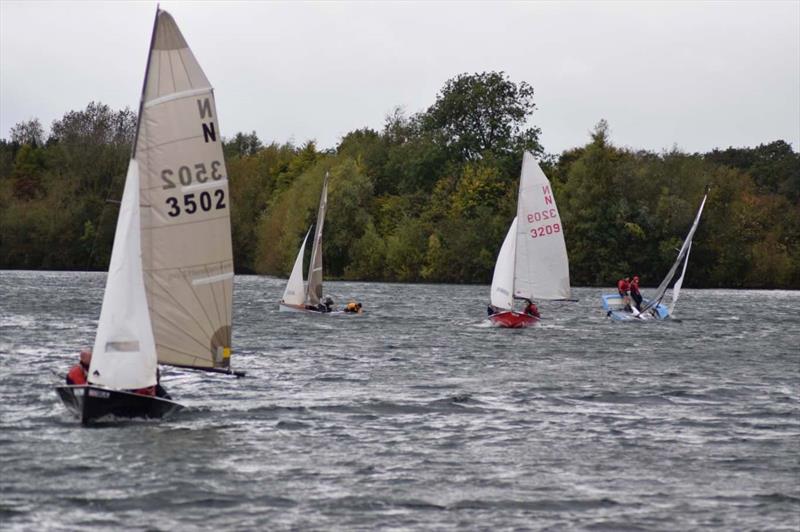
<point x="124" y="355"/>
<point x="314" y="288"/>
<point x="503" y="278"/>
<point x="294" y="293"/>
<point x="683" y="256"/>
<point x="541" y="265"/>
<point x="186" y="231"/>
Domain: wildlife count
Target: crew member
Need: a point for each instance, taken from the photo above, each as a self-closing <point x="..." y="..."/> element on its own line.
<point x="623" y="286"/>
<point x="635" y="294"/>
<point x="531" y="310"/>
<point x="79" y="372"/>
<point x="353" y="307"/>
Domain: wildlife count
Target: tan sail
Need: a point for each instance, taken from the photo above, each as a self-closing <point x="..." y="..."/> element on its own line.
<point x="185" y="219"/>
<point x="314" y="288"/>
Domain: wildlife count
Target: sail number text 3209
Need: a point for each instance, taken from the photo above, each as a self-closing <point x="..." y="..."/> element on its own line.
<point x="546" y="229"/>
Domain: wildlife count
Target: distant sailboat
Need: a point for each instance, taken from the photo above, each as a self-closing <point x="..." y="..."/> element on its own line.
<point x="532" y="262"/>
<point x="295" y="299"/>
<point x="168" y="296"/>
<point x="653" y="308"/>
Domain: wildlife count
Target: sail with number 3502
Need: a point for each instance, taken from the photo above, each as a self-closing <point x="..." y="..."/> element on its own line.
<point x="168" y="295"/>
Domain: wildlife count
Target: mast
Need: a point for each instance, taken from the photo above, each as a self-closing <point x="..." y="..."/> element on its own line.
<point x="314" y="287"/>
<point x="682" y="255"/>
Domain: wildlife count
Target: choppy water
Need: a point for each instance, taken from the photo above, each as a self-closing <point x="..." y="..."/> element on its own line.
<point x="417" y="416"/>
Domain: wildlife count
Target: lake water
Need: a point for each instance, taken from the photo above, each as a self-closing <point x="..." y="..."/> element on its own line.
<point x="417" y="415"/>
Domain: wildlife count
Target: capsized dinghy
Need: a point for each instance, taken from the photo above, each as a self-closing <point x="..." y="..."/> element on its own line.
<point x="653" y="308"/>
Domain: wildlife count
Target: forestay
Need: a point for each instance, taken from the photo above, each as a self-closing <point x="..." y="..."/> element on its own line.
<point x="294" y="293"/>
<point x="683" y="254"/>
<point x="186" y="233"/>
<point x="314" y="289"/>
<point x="503" y="278"/>
<point x="542" y="267"/>
<point x="124" y="355"/>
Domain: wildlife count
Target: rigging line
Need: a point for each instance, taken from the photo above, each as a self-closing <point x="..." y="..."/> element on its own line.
<point x="200" y="303"/>
<point x="182" y="331"/>
<point x="166" y="290"/>
<point x="100" y="223"/>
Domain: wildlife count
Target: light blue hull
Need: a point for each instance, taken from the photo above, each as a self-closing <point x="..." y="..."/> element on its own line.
<point x="612" y="305"/>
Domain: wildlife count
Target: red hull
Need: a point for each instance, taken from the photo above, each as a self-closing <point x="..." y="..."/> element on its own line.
<point x="512" y="320"/>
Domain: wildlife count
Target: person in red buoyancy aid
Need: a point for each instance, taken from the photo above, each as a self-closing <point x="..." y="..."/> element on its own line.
<point x="77" y="375"/>
<point x="635" y="294"/>
<point x="623" y="286"/>
<point x="532" y="310"/>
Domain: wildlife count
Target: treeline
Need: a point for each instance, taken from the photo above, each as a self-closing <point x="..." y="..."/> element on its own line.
<point x="427" y="198"/>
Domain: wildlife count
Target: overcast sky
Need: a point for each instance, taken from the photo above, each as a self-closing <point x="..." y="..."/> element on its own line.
<point x="692" y="74"/>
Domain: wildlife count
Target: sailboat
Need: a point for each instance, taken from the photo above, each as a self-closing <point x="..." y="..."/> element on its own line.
<point x="532" y="262"/>
<point x="169" y="291"/>
<point x="654" y="308"/>
<point x="295" y="299"/>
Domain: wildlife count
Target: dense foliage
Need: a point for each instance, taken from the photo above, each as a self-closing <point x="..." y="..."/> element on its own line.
<point x="427" y="198"/>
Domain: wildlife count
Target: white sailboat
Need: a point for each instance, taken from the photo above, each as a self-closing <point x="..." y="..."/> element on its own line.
<point x="532" y="262"/>
<point x="295" y="299"/>
<point x="654" y="308"/>
<point x="168" y="296"/>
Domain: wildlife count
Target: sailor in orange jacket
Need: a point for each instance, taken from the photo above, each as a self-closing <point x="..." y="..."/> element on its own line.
<point x="78" y="373"/>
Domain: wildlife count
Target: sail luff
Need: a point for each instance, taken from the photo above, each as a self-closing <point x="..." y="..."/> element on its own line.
<point x="144" y="84"/>
<point x="314" y="287"/>
<point x="662" y="288"/>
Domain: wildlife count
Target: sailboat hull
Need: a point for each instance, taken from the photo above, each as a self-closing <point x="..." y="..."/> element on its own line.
<point x="94" y="403"/>
<point x="301" y="309"/>
<point x="512" y="320"/>
<point x="615" y="309"/>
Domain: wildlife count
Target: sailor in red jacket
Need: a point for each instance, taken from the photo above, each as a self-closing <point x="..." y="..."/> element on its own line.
<point x="531" y="310"/>
<point x="623" y="286"/>
<point x="78" y="373"/>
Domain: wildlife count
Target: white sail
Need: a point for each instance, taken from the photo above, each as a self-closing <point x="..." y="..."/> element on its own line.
<point x="503" y="278"/>
<point x="314" y="288"/>
<point x="186" y="233"/>
<point x="542" y="266"/>
<point x="124" y="355"/>
<point x="682" y="254"/>
<point x="294" y="294"/>
<point x="676" y="290"/>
